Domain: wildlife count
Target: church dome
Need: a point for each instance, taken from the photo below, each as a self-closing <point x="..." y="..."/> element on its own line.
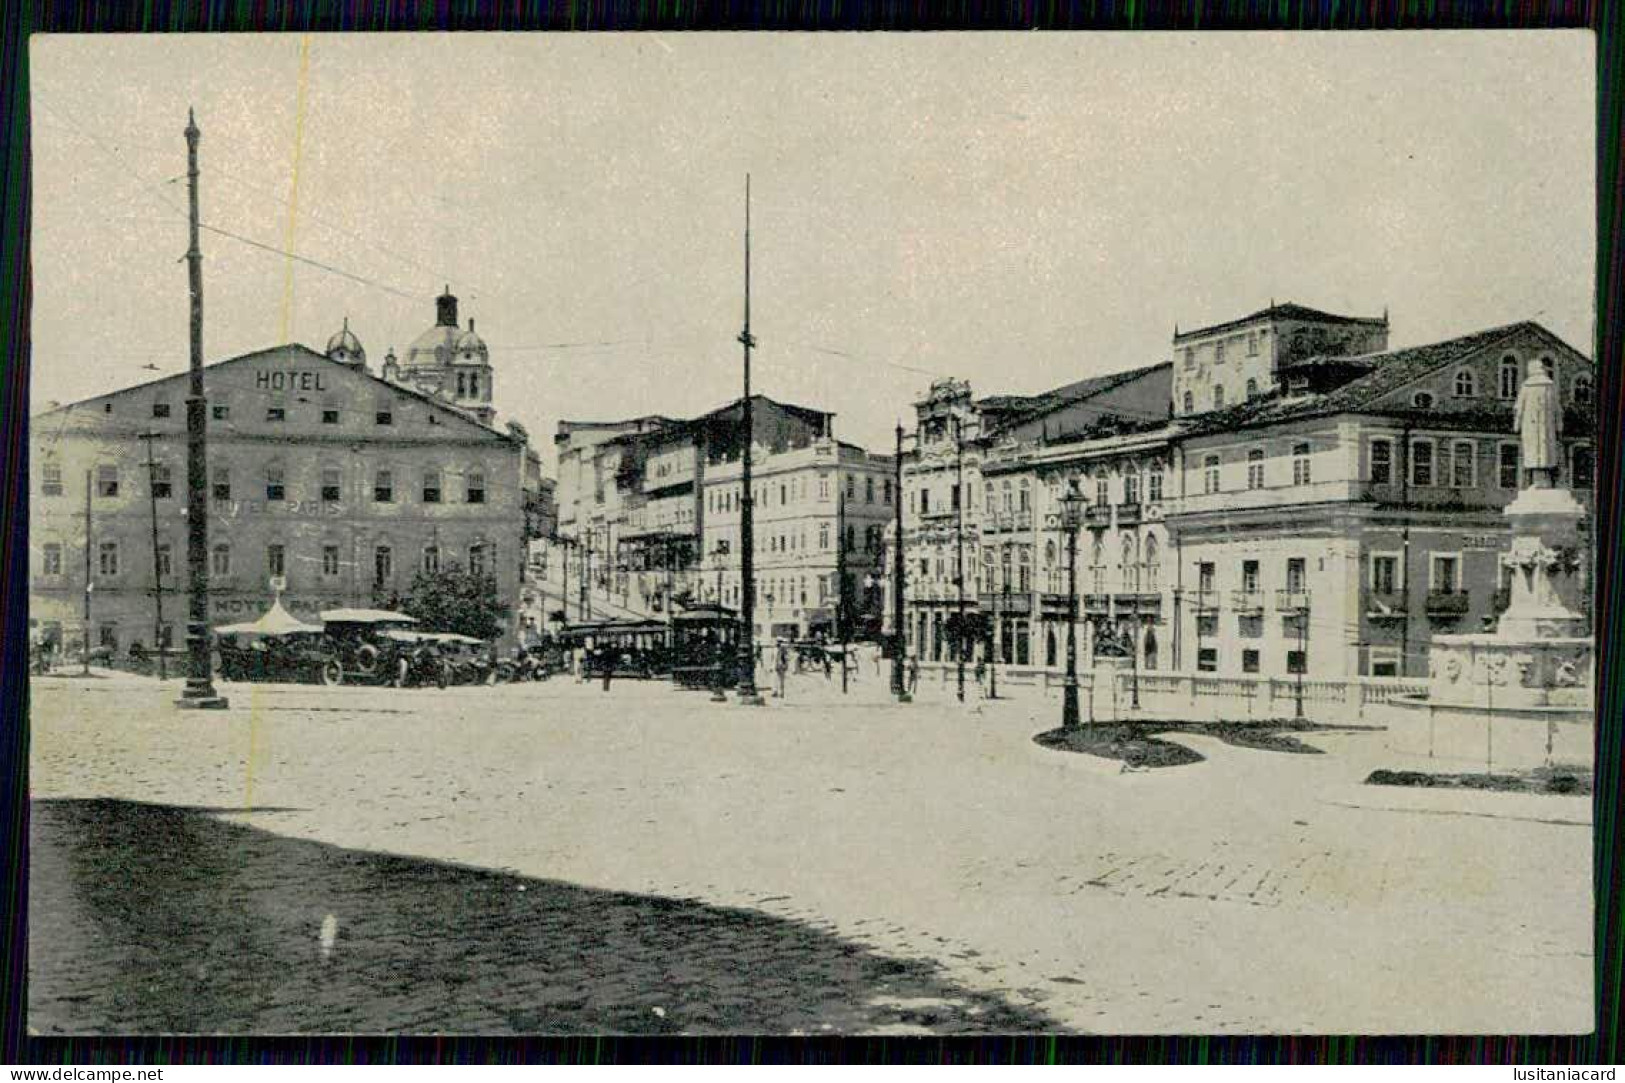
<point x="470" y="346"/>
<point x="344" y="346"/>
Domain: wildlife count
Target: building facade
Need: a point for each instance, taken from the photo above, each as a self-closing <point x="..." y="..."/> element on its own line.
<point x="1338" y="512"/>
<point x="328" y="486"/>
<point x="649" y="516"/>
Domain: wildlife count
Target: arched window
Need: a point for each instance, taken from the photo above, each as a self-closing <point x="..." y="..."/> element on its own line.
<point x="1582" y="390"/>
<point x="1149" y="650"/>
<point x="220" y="559"/>
<point x="1189" y="403"/>
<point x="1049" y="553"/>
<point x="1026" y="568"/>
<point x="1218" y="396"/>
<point x="1465" y="387"/>
<point x="1422" y="400"/>
<point x="1009" y="497"/>
<point x="1131" y="568"/>
<point x="1153" y="564"/>
<point x="1103" y="487"/>
<point x="1025" y="496"/>
<point x="1252" y="389"/>
<point x="1509" y="377"/>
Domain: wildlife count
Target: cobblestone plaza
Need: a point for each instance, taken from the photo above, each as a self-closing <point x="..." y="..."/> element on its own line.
<point x="555" y="857"/>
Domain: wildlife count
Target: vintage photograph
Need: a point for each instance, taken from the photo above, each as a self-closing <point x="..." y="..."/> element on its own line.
<point x="801" y="534"/>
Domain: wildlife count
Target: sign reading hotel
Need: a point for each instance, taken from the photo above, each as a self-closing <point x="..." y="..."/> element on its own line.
<point x="285" y="380"/>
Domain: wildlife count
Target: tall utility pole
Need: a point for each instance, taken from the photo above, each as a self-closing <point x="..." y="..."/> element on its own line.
<point x="157" y="565"/>
<point x="1069" y="702"/>
<point x="960" y="638"/>
<point x="89" y="583"/>
<point x="199" y="691"/>
<point x="747" y="505"/>
<point x="898" y="688"/>
<point x="585" y="567"/>
<point x="840" y="571"/>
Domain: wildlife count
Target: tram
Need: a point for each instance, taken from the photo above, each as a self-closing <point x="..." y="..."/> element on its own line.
<point x="700" y="644"/>
<point x="705" y="647"/>
<point x="636" y="648"/>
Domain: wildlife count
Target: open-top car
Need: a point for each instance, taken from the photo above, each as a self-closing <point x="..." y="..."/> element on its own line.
<point x="361" y="638"/>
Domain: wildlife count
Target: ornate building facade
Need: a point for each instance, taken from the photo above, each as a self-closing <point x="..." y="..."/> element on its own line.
<point x="1325" y="521"/>
<point x="329" y="485"/>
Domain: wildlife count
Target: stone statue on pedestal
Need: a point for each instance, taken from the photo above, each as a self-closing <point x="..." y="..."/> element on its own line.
<point x="1535" y="419"/>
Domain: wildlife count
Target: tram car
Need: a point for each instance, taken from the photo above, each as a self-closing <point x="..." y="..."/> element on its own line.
<point x="705" y="647"/>
<point x="635" y="648"/>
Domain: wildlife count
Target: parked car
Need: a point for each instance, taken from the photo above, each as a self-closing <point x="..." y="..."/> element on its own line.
<point x="287" y="656"/>
<point x="366" y="652"/>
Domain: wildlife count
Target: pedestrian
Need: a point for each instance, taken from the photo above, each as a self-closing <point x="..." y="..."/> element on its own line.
<point x="981" y="674"/>
<point x="913" y="673"/>
<point x="829" y="664"/>
<point x="781" y="666"/>
<point x="606" y="663"/>
<point x="879" y="654"/>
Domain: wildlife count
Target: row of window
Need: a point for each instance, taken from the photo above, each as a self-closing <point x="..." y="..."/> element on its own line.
<point x="330" y="487"/>
<point x="276" y="411"/>
<point x="727" y="500"/>
<point x="1441" y="463"/>
<point x="481" y="559"/>
<point x="1254" y="339"/>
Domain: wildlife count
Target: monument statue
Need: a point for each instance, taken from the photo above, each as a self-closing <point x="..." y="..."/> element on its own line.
<point x="1535" y="419"/>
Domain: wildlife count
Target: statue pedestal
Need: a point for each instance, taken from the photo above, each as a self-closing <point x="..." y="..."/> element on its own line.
<point x="1544" y="601"/>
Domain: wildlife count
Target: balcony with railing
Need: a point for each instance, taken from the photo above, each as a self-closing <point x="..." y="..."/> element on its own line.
<point x="1205" y="601"/>
<point x="1097" y="516"/>
<point x="1384" y="605"/>
<point x="1291" y="601"/>
<point x="1397" y="494"/>
<point x="1448" y="604"/>
<point x="1247" y="602"/>
<point x="1128" y="514"/>
<point x="1097" y="604"/>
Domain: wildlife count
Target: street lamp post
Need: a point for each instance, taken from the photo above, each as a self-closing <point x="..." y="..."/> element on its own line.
<point x="157" y="565"/>
<point x="1071" y="506"/>
<point x="959" y="553"/>
<point x="199" y="691"/>
<point x="898" y="687"/>
<point x="1134" y="658"/>
<point x="718" y="695"/>
<point x="992" y="634"/>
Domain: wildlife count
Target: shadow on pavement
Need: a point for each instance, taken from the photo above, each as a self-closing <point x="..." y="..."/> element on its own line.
<point x="155" y="919"/>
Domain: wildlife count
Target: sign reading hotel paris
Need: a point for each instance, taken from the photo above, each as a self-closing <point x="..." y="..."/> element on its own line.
<point x="1160" y="629"/>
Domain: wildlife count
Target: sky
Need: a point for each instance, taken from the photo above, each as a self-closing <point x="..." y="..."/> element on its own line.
<point x="1018" y="210"/>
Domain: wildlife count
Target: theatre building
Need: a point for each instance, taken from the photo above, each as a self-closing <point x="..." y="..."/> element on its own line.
<point x="327" y="484"/>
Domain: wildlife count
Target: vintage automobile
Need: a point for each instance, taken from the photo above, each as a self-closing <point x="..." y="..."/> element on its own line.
<point x="367" y="654"/>
<point x="277" y="647"/>
<point x="418" y="660"/>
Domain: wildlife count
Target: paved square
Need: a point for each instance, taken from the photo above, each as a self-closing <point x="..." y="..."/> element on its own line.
<point x="969" y="879"/>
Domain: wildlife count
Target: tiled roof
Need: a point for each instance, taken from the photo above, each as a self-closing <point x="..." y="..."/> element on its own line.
<point x="1389" y="372"/>
<point x="1287" y="311"/>
<point x="1015" y="409"/>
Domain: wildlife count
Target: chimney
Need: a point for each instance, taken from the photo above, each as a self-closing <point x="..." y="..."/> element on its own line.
<point x="446" y="309"/>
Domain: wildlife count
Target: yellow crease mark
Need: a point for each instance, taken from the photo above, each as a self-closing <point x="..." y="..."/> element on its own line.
<point x="303" y="85"/>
